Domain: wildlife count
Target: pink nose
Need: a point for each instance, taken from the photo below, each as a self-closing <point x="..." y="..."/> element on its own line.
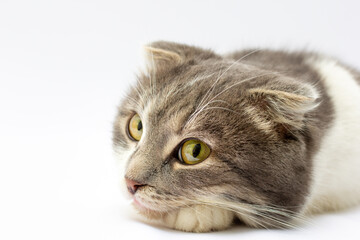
<point x="132" y="185"/>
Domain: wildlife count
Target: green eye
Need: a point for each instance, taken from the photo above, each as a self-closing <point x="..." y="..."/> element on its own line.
<point x="135" y="127"/>
<point x="193" y="151"/>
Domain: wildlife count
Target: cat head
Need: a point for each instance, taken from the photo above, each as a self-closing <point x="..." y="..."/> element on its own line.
<point x="199" y="128"/>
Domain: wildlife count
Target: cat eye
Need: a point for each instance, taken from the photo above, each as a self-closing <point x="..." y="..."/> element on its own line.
<point x="193" y="151"/>
<point x="135" y="128"/>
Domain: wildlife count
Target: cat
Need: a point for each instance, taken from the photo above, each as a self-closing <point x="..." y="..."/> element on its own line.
<point x="261" y="136"/>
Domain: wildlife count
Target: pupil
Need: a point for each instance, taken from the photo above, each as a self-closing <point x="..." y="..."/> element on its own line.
<point x="139" y="127"/>
<point x="196" y="150"/>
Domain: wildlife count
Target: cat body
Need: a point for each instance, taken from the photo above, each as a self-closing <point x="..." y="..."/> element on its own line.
<point x="282" y="129"/>
<point x="335" y="180"/>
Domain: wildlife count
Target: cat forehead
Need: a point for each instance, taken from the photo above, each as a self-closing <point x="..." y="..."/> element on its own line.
<point x="169" y="113"/>
<point x="173" y="100"/>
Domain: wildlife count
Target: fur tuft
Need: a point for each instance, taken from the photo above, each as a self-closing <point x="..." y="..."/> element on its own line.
<point x="270" y="107"/>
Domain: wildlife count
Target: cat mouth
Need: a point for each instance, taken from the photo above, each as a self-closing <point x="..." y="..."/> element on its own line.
<point x="145" y="210"/>
<point x="142" y="206"/>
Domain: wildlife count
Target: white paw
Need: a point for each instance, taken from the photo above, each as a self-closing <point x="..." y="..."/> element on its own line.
<point x="199" y="219"/>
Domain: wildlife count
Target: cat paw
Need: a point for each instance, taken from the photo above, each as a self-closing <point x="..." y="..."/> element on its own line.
<point x="199" y="218"/>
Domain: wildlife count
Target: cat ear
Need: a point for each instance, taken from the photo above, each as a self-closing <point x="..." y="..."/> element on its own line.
<point x="281" y="108"/>
<point x="164" y="55"/>
<point x="160" y="58"/>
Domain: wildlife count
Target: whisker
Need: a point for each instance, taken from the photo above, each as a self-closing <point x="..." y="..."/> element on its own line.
<point x="208" y="93"/>
<point x="285" y="213"/>
<point x="142" y="91"/>
<point x="136" y="103"/>
<point x="226" y="89"/>
<point x="221" y="108"/>
<point x="153" y="74"/>
<point x="176" y="90"/>
<point x="237" y="208"/>
<point x="141" y="97"/>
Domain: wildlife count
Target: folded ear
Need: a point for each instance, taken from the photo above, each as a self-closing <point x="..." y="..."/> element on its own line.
<point x="162" y="55"/>
<point x="281" y="108"/>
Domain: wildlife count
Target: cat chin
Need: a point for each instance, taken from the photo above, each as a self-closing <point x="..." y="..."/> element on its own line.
<point x="199" y="218"/>
<point x="150" y="214"/>
<point x="196" y="218"/>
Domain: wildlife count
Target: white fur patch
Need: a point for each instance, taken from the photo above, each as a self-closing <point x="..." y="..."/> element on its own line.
<point x="337" y="164"/>
<point x="199" y="218"/>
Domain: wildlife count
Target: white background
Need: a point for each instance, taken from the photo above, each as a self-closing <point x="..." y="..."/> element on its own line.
<point x="63" y="68"/>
